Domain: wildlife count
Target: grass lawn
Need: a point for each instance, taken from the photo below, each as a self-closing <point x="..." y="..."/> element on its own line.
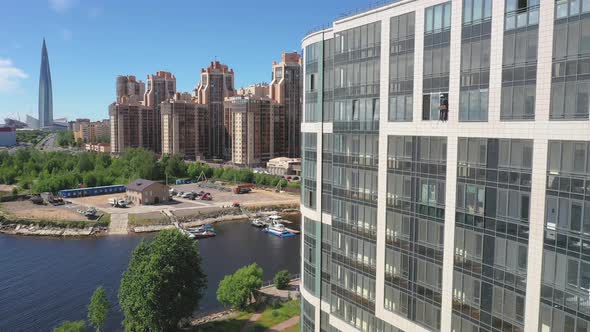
<point x="271" y="317"/>
<point x="135" y="220"/>
<point x="233" y="324"/>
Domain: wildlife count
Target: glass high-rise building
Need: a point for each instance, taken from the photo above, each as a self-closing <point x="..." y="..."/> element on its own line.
<point x="45" y="91"/>
<point x="446" y="168"/>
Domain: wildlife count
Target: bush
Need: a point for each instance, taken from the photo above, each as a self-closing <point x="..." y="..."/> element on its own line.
<point x="71" y="326"/>
<point x="235" y="290"/>
<point x="282" y="279"/>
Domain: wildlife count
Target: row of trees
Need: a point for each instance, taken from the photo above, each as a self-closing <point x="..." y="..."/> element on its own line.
<point x="30" y="136"/>
<point x="65" y="138"/>
<point x="164" y="283"/>
<point x="41" y="171"/>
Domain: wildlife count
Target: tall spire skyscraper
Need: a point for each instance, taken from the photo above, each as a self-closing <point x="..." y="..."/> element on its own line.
<point x="45" y="91"/>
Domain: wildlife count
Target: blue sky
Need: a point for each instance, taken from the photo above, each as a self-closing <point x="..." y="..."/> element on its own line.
<point x="90" y="42"/>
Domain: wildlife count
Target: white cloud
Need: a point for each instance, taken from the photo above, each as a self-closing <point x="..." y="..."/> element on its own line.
<point x="62" y="6"/>
<point x="10" y="76"/>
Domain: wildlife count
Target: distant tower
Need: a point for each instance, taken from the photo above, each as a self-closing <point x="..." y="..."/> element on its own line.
<point x="45" y="91"/>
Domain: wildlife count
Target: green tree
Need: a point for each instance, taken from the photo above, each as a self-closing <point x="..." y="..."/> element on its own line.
<point x="163" y="283"/>
<point x="235" y="290"/>
<point x="282" y="279"/>
<point x="98" y="309"/>
<point x="175" y="167"/>
<point x="71" y="326"/>
<point x="84" y="163"/>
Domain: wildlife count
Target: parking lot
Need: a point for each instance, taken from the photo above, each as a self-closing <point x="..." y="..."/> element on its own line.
<point x="184" y="207"/>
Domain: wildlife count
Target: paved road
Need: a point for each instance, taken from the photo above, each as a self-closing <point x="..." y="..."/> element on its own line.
<point x="47" y="143"/>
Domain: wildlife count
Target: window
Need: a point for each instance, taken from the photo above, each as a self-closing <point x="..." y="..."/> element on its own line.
<point x="436" y="59"/>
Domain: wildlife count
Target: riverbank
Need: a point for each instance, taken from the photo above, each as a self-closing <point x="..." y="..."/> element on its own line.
<point x="30" y="227"/>
<point x="214" y="217"/>
<point x="275" y="309"/>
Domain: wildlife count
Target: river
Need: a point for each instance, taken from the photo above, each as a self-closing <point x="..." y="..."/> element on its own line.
<point x="44" y="281"/>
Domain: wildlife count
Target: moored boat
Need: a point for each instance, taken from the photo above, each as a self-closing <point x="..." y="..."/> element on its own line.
<point x="278" y="229"/>
<point x="204" y="234"/>
<point x="258" y="223"/>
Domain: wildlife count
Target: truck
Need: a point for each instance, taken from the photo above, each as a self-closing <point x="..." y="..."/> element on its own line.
<point x="118" y="202"/>
<point x="243" y="188"/>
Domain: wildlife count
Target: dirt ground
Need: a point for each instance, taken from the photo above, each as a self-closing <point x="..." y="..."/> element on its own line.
<point x="28" y="210"/>
<point x="6" y="188"/>
<point x="99" y="201"/>
<point x="183" y="207"/>
<point x="256" y="197"/>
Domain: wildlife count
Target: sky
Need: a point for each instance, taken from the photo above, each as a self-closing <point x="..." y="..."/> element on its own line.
<point x="90" y="42"/>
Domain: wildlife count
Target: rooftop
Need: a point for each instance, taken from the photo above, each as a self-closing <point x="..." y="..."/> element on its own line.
<point x="139" y="184"/>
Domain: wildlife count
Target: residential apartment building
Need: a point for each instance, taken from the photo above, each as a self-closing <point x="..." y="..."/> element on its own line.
<point x="258" y="90"/>
<point x="160" y="87"/>
<point x="92" y="131"/>
<point x="98" y="147"/>
<point x="183" y="128"/>
<point x="130" y="87"/>
<point x="285" y="89"/>
<point x="134" y="125"/>
<point x="250" y="129"/>
<point x="217" y="83"/>
<point x="446" y="168"/>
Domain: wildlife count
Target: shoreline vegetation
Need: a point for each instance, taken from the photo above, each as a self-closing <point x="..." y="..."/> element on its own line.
<point x="53" y="228"/>
<point x="30" y="171"/>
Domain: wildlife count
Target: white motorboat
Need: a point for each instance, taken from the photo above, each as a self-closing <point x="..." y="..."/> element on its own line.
<point x="258" y="223"/>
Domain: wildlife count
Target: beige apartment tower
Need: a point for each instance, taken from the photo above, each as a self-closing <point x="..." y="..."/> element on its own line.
<point x="251" y="122"/>
<point x="183" y="128"/>
<point x="160" y="87"/>
<point x="130" y="87"/>
<point x="217" y="83"/>
<point x="258" y="90"/>
<point x="96" y="131"/>
<point x="285" y="89"/>
<point x="134" y="125"/>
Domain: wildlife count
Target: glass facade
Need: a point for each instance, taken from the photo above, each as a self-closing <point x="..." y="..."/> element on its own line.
<point x="356" y="78"/>
<point x="309" y="170"/>
<point x="489" y="262"/>
<point x="565" y="288"/>
<point x="313" y="83"/>
<point x="519" y="64"/>
<point x="570" y="88"/>
<point x="401" y="67"/>
<point x="416" y="172"/>
<point x="307" y="317"/>
<point x="437" y="44"/>
<point x="491" y="233"/>
<point x="476" y="33"/>
<point x="310" y="251"/>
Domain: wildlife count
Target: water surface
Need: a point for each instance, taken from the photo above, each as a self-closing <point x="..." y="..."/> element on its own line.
<point x="44" y="281"/>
